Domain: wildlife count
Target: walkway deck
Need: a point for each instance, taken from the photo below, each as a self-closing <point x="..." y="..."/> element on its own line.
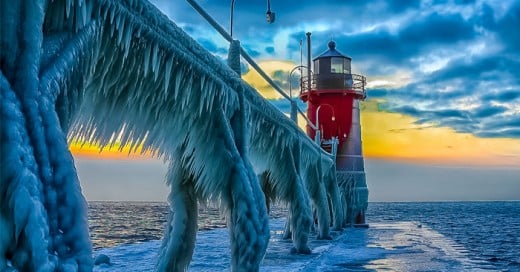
<point x="399" y="246"/>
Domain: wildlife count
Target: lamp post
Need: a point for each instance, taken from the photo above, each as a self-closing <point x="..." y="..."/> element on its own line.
<point x="294" y="109"/>
<point x="299" y="67"/>
<point x="231" y="18"/>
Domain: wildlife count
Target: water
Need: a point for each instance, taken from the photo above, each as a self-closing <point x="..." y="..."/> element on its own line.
<point x="490" y="231"/>
<point x="116" y="223"/>
<point x="482" y="231"/>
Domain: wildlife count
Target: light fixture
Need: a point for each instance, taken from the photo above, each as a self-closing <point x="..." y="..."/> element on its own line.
<point x="270" y="16"/>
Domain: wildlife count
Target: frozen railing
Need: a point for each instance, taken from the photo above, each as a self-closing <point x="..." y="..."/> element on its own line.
<point x="245" y="55"/>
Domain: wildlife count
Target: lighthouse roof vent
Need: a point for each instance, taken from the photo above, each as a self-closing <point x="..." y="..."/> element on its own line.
<point x="332" y="52"/>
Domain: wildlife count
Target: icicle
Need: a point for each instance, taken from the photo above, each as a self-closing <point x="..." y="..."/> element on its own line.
<point x="156" y="72"/>
<point x="128" y="39"/>
<point x="210" y="86"/>
<point x="83" y="13"/>
<point x="120" y="30"/>
<point x="127" y="42"/>
<point x="154" y="57"/>
<point x="104" y="13"/>
<point x="77" y="18"/>
<point x="183" y="103"/>
<point x="202" y="83"/>
<point x="112" y="30"/>
<point x="167" y="75"/>
<point x="202" y="105"/>
<point x="57" y="18"/>
<point x="68" y="4"/>
<point x="112" y="15"/>
<point x="147" y="53"/>
<point x="118" y="21"/>
<point x="178" y="78"/>
<point x="90" y="5"/>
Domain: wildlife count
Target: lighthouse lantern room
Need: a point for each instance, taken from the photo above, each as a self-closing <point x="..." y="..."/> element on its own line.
<point x="332" y="94"/>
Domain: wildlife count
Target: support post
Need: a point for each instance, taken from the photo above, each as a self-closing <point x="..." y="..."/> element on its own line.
<point x="233" y="60"/>
<point x="309" y="81"/>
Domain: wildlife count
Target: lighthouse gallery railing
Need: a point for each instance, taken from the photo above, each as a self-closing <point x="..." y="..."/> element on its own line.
<point x="350" y="82"/>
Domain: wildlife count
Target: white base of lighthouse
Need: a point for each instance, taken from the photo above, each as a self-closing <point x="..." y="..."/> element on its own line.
<point x="350" y="174"/>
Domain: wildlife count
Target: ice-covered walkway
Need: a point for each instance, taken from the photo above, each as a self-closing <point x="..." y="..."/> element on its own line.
<point x="399" y="246"/>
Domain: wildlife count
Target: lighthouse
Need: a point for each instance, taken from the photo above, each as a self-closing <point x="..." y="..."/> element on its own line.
<point x="332" y="93"/>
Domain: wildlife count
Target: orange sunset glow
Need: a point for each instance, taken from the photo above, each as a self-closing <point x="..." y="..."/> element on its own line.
<point x="91" y="150"/>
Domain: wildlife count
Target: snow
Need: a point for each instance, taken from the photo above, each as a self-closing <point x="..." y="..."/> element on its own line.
<point x="398" y="246"/>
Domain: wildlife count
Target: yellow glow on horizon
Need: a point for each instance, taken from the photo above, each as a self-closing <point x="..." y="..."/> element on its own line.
<point x="396" y="136"/>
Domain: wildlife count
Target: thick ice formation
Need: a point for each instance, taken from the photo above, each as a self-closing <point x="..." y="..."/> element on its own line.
<point x="111" y="71"/>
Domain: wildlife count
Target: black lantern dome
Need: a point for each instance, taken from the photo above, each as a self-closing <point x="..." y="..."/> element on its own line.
<point x="332" y="62"/>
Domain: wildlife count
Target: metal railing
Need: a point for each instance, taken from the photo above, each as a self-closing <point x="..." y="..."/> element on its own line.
<point x="294" y="107"/>
<point x="349" y="82"/>
<point x="243" y="52"/>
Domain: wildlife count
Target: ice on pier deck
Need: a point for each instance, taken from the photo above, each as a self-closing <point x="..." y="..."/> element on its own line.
<point x="399" y="246"/>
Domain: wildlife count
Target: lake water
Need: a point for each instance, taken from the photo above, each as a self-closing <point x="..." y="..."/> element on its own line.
<point x="484" y="232"/>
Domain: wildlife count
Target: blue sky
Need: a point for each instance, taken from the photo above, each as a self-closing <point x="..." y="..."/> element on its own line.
<point x="447" y="63"/>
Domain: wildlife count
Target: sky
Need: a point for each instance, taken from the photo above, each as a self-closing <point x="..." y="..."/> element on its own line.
<point x="442" y="116"/>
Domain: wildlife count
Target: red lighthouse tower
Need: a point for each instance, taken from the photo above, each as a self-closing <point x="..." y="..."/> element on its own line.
<point x="332" y="94"/>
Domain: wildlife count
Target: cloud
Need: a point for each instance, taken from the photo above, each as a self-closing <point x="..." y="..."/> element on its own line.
<point x="460" y="59"/>
<point x="497" y="124"/>
<point x="507" y="27"/>
<point x="413" y="38"/>
<point x="502" y="96"/>
<point x="437" y="29"/>
<point x="489" y="68"/>
<point x="252" y="52"/>
<point x="464" y="95"/>
<point x="269" y="49"/>
<point x="484" y="121"/>
<point x="377" y="93"/>
<point x="488" y="111"/>
<point x="208" y="44"/>
<point x="501" y="133"/>
<point x="471" y="91"/>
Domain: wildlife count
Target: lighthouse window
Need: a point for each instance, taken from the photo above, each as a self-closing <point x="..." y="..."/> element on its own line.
<point x="346" y="66"/>
<point x="316" y="66"/>
<point x="336" y="65"/>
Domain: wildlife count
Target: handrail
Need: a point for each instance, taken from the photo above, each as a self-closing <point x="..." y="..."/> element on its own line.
<point x="248" y="58"/>
<point x="350" y="82"/>
<point x="307" y="119"/>
<point x="243" y="52"/>
<point x="251" y="62"/>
